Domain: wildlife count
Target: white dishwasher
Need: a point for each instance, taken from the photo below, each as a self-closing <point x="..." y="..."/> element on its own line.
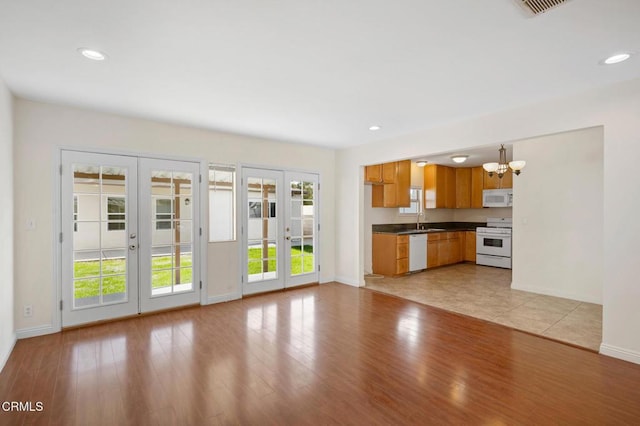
<point x="417" y="252"/>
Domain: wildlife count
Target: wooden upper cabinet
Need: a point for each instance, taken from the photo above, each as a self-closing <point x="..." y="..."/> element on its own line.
<point x="477" y="174"/>
<point x="403" y="182"/>
<point x="449" y="187"/>
<point x="384" y="195"/>
<point x="435" y="186"/>
<point x="507" y="180"/>
<point x="394" y="194"/>
<point x="373" y="174"/>
<point x="494" y="182"/>
<point x="389" y="172"/>
<point x="463" y="188"/>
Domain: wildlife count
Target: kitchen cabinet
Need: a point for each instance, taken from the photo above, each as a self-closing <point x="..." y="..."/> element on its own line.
<point x="494" y="182"/>
<point x="394" y="193"/>
<point x="389" y="172"/>
<point x="444" y="248"/>
<point x="390" y="254"/>
<point x="373" y="174"/>
<point x="463" y="188"/>
<point x="432" y="251"/>
<point x="439" y="187"/>
<point x="477" y="185"/>
<point x="469" y="246"/>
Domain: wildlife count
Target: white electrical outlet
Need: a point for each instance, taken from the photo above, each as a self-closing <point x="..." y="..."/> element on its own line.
<point x="28" y="310"/>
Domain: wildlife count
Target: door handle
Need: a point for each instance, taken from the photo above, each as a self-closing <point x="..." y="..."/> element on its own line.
<point x="132" y="236"/>
<point x="132" y="247"/>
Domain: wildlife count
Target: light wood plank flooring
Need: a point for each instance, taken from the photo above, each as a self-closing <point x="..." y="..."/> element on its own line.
<point x="328" y="354"/>
<point x="485" y="292"/>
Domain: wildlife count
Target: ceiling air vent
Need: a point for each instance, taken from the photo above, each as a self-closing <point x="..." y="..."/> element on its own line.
<point x="539" y="6"/>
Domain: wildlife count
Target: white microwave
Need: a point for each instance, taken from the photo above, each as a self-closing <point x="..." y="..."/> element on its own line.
<point x="497" y="197"/>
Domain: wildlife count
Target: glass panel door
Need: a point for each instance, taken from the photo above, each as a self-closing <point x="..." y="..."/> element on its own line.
<point x="280" y="229"/>
<point x="169" y="212"/>
<point x="262" y="230"/>
<point x="301" y="228"/>
<point x="99" y="245"/>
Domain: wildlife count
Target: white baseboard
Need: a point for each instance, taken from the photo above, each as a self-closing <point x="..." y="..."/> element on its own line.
<point x="620" y="353"/>
<point x="40" y="330"/>
<point x="223" y="298"/>
<point x="348" y="281"/>
<point x="553" y="292"/>
<point x="5" y="357"/>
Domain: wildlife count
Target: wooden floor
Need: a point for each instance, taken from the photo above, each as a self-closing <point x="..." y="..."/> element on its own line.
<point x="318" y="355"/>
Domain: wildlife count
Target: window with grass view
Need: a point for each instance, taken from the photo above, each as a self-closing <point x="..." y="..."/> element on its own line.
<point x="222" y="196"/>
<point x="303" y="226"/>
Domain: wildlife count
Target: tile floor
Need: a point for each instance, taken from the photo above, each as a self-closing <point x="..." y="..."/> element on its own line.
<point x="485" y="292"/>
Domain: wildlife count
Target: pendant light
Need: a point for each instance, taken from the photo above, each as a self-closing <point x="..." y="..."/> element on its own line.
<point x="502" y="166"/>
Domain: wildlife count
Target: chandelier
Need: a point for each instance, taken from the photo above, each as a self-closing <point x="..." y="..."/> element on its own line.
<point x="502" y="167"/>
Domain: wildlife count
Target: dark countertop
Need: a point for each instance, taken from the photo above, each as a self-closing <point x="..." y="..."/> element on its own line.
<point x="410" y="228"/>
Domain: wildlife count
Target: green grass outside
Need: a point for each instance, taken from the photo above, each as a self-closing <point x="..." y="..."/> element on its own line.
<point x="87" y="272"/>
<point x="299" y="264"/>
<point x="87" y="275"/>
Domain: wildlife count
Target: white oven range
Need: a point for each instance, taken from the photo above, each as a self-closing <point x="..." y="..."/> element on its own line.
<point x="493" y="243"/>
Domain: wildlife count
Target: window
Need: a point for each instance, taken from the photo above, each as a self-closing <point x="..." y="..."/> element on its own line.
<point x="222" y="203"/>
<point x="164" y="213"/>
<point x="415" y="194"/>
<point x="115" y="214"/>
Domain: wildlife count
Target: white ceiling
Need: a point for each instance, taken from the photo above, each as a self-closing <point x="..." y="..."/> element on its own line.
<point x="316" y="72"/>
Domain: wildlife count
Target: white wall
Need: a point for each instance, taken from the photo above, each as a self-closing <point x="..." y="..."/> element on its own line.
<point x="7" y="334"/>
<point x="40" y="128"/>
<point x="558" y="214"/>
<point x="615" y="107"/>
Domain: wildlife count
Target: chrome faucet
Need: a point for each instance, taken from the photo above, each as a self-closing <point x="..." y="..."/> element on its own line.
<point x="418" y="220"/>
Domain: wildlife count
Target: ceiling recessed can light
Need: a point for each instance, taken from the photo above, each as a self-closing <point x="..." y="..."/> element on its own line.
<point x="615" y="59"/>
<point x="459" y="158"/>
<point x="92" y="54"/>
<point x="374" y="128"/>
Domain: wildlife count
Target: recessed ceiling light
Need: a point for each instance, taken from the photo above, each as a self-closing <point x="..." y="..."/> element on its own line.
<point x="374" y="128"/>
<point x="92" y="54"/>
<point x="620" y="57"/>
<point x="459" y="158"/>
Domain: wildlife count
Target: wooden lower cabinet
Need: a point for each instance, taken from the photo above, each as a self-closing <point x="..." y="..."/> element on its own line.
<point x="390" y="254"/>
<point x="391" y="251"/>
<point x="432" y="253"/>
<point x="445" y="248"/>
<point x="469" y="246"/>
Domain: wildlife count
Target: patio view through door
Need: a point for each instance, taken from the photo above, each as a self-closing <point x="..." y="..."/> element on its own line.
<point x="279" y="229"/>
<point x="128" y="235"/>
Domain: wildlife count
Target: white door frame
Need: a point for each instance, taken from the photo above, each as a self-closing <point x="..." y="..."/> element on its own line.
<point x="149" y="302"/>
<point x="128" y="305"/>
<point x="285" y="280"/>
<point x="56" y="229"/>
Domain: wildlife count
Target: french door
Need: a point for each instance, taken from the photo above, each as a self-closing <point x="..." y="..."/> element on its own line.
<point x="128" y="235"/>
<point x="279" y="229"/>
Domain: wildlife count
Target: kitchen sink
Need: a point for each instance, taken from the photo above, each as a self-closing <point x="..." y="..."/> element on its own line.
<point x="421" y="231"/>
